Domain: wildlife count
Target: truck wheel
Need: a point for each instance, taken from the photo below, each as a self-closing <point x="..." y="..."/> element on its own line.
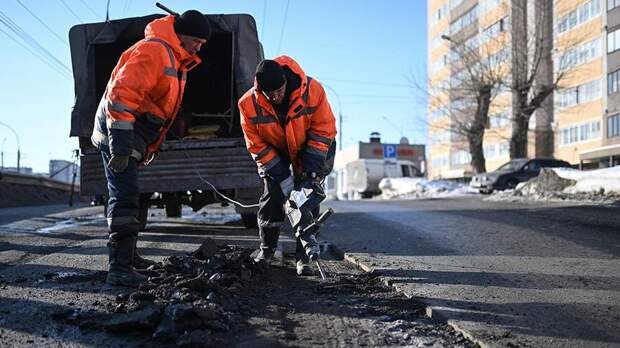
<point x="173" y="205"/>
<point x="143" y="215"/>
<point x="249" y="220"/>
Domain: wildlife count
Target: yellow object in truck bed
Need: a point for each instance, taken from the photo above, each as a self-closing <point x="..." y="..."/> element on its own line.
<point x="202" y="132"/>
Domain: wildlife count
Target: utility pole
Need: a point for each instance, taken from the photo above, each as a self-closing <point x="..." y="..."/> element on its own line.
<point x="339" y="115"/>
<point x="2" y="154"/>
<point x="16" y="138"/>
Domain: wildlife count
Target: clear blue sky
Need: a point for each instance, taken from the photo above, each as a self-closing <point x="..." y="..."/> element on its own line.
<point x="365" y="50"/>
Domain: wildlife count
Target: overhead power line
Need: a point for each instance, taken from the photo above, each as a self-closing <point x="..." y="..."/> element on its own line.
<point x="42" y="52"/>
<point x="367" y="82"/>
<point x="42" y="23"/>
<point x="262" y="29"/>
<point x="377" y="96"/>
<point x="126" y="7"/>
<point x="71" y="11"/>
<point x="288" y="2"/>
<point x="89" y="8"/>
<point x="32" y="52"/>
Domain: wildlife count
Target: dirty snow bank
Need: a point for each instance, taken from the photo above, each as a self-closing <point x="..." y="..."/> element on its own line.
<point x="562" y="184"/>
<point x="421" y="188"/>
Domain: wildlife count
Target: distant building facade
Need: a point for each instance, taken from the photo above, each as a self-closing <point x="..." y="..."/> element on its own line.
<point x="579" y="124"/>
<point x="62" y="170"/>
<point x="359" y="168"/>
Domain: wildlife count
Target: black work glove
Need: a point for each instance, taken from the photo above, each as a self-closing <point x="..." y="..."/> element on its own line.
<point x="118" y="164"/>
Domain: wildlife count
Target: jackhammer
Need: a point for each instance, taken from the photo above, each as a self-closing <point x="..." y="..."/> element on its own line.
<point x="302" y="209"/>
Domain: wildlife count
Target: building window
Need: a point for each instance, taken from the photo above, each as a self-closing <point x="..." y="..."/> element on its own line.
<point x="466" y="19"/>
<point x="613" y="82"/>
<point x="460" y="157"/>
<point x="578" y="55"/>
<point x="499" y="120"/>
<point x="613" y="126"/>
<point x="488" y="5"/>
<point x="613" y="41"/>
<point x="504" y="149"/>
<point x="578" y="95"/>
<point x="440" y="14"/>
<point x="455" y="3"/>
<point x="496" y="28"/>
<point x="490" y="152"/>
<point x="579" y="16"/>
<point x="580" y="133"/>
<point x="611" y="4"/>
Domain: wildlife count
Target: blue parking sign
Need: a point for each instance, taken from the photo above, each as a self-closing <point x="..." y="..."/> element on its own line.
<point x="389" y="151"/>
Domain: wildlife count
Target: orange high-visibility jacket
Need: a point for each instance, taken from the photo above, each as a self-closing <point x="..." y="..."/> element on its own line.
<point x="144" y="92"/>
<point x="310" y="124"/>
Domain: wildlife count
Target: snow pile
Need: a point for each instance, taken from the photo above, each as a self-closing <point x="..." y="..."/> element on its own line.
<point x="601" y="185"/>
<point x="420" y="188"/>
<point x="213" y="214"/>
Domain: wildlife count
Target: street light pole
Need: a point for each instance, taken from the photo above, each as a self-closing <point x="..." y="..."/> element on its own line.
<point x="16" y="138"/>
<point x="2" y="154"/>
<point x="339" y="115"/>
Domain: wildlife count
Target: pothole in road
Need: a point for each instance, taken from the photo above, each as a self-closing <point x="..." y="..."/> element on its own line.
<point x="218" y="296"/>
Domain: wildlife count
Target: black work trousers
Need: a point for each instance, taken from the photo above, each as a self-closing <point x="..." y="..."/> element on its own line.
<point x="123" y="198"/>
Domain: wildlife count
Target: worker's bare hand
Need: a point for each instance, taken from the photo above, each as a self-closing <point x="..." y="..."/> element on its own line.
<point x="118" y="164"/>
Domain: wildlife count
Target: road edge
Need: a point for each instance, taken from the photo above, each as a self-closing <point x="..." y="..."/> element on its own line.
<point x="431" y="311"/>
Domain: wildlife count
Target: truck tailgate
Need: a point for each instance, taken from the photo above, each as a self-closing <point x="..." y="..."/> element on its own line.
<point x="225" y="163"/>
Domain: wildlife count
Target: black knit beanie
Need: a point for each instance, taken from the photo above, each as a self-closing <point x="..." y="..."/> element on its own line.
<point x="192" y="23"/>
<point x="269" y="75"/>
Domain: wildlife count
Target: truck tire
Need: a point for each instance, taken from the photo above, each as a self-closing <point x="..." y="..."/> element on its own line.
<point x="173" y="205"/>
<point x="249" y="220"/>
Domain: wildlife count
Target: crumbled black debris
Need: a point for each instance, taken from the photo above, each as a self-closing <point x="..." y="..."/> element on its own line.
<point x="186" y="299"/>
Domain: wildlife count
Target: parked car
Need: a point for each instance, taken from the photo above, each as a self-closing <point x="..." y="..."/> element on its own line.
<point x="509" y="175"/>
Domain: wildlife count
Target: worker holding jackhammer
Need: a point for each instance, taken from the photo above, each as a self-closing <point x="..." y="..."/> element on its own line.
<point x="138" y="107"/>
<point x="287" y="122"/>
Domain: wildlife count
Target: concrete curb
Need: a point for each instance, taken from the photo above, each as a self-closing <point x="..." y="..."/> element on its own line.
<point x="431" y="311"/>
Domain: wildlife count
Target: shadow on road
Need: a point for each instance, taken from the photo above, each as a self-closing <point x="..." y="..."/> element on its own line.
<point x="517" y="258"/>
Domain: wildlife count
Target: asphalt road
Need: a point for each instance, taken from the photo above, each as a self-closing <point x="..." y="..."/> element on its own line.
<point x="525" y="274"/>
<point x="52" y="271"/>
<point x="8" y="215"/>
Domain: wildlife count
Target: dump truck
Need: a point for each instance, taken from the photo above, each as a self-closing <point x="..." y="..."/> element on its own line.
<point x="205" y="143"/>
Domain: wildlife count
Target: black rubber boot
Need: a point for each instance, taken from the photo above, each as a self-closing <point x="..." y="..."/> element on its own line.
<point x="139" y="262"/>
<point x="302" y="262"/>
<point x="268" y="244"/>
<point x="121" y="271"/>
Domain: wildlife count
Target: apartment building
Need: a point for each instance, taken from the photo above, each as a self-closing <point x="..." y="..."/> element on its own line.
<point x="478" y="24"/>
<point x="581" y="102"/>
<point x="581" y="124"/>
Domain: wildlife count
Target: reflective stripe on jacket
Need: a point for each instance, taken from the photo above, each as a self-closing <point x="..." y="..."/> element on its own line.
<point x="310" y="124"/>
<point x="144" y="92"/>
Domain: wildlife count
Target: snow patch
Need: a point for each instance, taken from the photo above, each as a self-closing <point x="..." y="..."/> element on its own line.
<point x="567" y="184"/>
<point x="409" y="188"/>
<point x="61" y="225"/>
<point x="214" y="214"/>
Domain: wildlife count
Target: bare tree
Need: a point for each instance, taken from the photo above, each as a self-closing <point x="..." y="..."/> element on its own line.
<point x="534" y="76"/>
<point x="478" y="76"/>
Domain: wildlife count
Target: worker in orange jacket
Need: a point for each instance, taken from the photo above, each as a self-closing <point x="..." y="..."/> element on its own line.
<point x="140" y="103"/>
<point x="287" y="122"/>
